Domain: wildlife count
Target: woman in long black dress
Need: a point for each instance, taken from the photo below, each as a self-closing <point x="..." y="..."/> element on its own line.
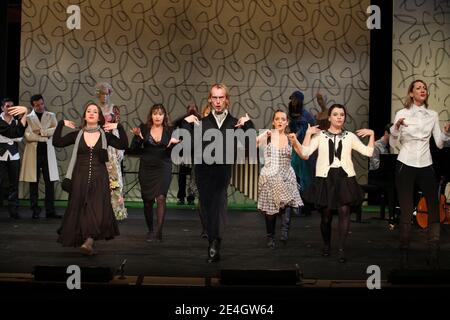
<point x="154" y="141"/>
<point x="89" y="215"/>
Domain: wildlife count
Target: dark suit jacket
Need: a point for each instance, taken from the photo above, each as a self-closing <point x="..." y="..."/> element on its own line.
<point x="209" y="122"/>
<point x="13" y="130"/>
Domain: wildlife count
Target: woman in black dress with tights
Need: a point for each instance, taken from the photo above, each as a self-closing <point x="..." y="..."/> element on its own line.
<point x="154" y="142"/>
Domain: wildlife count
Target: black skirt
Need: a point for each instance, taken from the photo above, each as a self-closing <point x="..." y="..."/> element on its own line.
<point x="334" y="191"/>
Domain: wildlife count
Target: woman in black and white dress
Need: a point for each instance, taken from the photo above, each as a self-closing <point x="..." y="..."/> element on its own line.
<point x="277" y="185"/>
<point x="335" y="186"/>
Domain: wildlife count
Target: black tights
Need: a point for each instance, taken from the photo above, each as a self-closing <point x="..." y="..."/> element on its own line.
<point x="160" y="213"/>
<point x="271" y="220"/>
<point x="344" y="225"/>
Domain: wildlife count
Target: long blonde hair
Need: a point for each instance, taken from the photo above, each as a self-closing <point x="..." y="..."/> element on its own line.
<point x="409" y="101"/>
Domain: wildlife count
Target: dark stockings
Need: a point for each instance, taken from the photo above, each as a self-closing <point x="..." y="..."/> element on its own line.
<point x="271" y="221"/>
<point x="160" y="213"/>
<point x="148" y="214"/>
<point x="344" y="225"/>
<point x="325" y="229"/>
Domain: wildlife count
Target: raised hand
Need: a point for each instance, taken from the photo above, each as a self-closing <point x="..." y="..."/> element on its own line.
<point x="313" y="130"/>
<point x="447" y="128"/>
<point x="293" y="138"/>
<point x="137" y="132"/>
<point x="173" y="141"/>
<point x="364" y="132"/>
<point x="400" y="122"/>
<point x="192" y="119"/>
<point x="70" y="124"/>
<point x="241" y="121"/>
<point x="110" y="126"/>
<point x="108" y="117"/>
<point x="321" y="101"/>
<point x="17" y="110"/>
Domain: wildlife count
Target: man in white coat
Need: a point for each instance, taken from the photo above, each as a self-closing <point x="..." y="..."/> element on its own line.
<point x="39" y="155"/>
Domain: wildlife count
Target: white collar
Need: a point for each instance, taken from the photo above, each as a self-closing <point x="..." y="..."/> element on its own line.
<point x="422" y="109"/>
<point x="2" y="115"/>
<point x="225" y="113"/>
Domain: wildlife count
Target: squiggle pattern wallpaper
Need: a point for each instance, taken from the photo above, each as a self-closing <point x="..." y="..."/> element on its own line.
<point x="172" y="51"/>
<point x="421" y="50"/>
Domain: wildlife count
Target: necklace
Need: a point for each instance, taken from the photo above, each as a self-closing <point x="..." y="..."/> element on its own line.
<point x="97" y="128"/>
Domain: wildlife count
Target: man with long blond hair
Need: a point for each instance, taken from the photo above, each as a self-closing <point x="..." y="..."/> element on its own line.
<point x="213" y="178"/>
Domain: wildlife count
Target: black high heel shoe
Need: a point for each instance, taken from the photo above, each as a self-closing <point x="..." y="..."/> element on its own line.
<point x="214" y="251"/>
<point x="270" y="242"/>
<point x="326" y="251"/>
<point x="342" y="258"/>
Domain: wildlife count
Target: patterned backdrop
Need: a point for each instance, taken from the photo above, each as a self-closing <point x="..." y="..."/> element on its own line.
<point x="421" y="50"/>
<point x="172" y="51"/>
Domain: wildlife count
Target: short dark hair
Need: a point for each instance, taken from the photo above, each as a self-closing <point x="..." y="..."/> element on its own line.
<point x="36" y="97"/>
<point x="5" y="100"/>
<point x="338" y="106"/>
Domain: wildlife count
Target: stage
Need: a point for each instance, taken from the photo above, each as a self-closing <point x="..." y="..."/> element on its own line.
<point x="182" y="254"/>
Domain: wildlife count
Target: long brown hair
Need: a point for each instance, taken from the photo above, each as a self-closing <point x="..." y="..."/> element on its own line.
<point x="154" y="108"/>
<point x="409" y="101"/>
<point x="101" y="118"/>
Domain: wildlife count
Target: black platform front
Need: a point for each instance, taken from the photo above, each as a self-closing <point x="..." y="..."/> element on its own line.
<point x="180" y="259"/>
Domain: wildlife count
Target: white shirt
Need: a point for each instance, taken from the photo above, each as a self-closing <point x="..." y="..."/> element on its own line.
<point x="220" y="118"/>
<point x="7" y="155"/>
<point x="415" y="137"/>
<point x="349" y="142"/>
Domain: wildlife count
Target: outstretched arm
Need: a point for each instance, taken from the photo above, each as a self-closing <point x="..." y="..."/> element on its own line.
<point x="14" y="130"/>
<point x="440" y="137"/>
<point x="244" y="123"/>
<point x="310" y="144"/>
<point x="120" y="142"/>
<point x="21" y="112"/>
<point x="359" y="146"/>
<point x="68" y="139"/>
<point x="262" y="138"/>
<point x="323" y="114"/>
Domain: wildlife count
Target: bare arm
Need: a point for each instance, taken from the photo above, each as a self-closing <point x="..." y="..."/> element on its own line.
<point x="296" y="145"/>
<point x="323" y="114"/>
<point x="310" y="143"/>
<point x="262" y="138"/>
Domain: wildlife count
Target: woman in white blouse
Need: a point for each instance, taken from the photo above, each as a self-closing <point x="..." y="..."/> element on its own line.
<point x="335" y="186"/>
<point x="413" y="127"/>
